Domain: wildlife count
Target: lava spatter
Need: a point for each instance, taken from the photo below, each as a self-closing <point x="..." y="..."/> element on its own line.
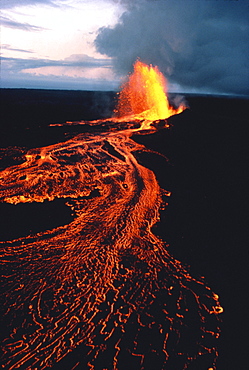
<point x="104" y="286"/>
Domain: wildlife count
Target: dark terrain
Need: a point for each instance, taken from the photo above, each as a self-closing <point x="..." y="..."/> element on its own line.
<point x="206" y="221"/>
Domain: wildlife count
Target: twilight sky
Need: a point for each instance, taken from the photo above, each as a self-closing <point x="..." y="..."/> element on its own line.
<point x="199" y="45"/>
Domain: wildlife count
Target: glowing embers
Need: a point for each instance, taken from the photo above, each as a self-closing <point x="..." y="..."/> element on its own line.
<point x="143" y="96"/>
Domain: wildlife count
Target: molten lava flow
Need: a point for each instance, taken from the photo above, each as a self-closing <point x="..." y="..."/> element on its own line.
<point x="143" y="96"/>
<point x="103" y="286"/>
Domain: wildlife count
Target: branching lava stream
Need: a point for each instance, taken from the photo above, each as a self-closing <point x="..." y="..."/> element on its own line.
<point x="104" y="284"/>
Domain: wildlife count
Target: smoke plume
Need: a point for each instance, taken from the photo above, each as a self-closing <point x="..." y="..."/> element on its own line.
<point x="200" y="45"/>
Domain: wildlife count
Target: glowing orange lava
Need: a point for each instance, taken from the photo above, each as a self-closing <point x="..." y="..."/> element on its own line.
<point x="143" y="96"/>
<point x="103" y="286"/>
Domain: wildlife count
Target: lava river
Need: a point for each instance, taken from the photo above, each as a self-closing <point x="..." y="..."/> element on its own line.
<point x="102" y="292"/>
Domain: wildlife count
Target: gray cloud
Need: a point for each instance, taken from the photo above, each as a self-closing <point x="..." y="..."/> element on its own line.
<point x="52" y="82"/>
<point x="14" y="73"/>
<point x="197" y="44"/>
<point x="8" y="47"/>
<point x="76" y="60"/>
<point x="9" y="23"/>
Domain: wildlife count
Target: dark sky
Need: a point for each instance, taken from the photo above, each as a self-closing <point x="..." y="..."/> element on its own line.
<point x="198" y="44"/>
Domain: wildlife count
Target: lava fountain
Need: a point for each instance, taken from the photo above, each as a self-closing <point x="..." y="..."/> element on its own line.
<point x="102" y="292"/>
<point x="143" y="96"/>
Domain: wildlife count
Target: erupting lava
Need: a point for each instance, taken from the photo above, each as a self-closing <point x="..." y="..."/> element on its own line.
<point x="102" y="292"/>
<point x="143" y="96"/>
